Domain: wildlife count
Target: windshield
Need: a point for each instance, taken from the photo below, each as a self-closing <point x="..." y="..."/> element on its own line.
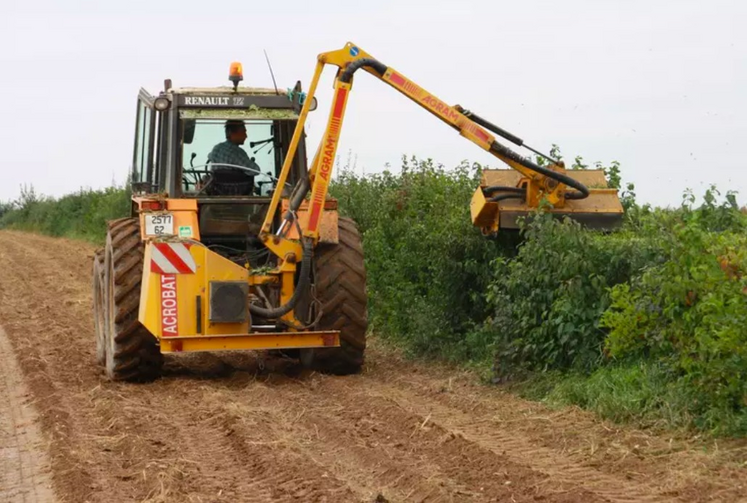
<point x="210" y="132"/>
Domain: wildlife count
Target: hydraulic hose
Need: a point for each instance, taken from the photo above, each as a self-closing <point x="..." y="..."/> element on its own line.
<point x="302" y="286"/>
<point x="582" y="193"/>
<point x="503" y="197"/>
<point x="353" y="67"/>
<point x="500" y="188"/>
<point x="297" y="197"/>
<point x="500" y="149"/>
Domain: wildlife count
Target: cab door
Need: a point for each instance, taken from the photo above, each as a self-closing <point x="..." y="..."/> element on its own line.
<point x="144" y="176"/>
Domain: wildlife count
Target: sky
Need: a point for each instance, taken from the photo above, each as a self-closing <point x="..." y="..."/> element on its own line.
<point x="658" y="85"/>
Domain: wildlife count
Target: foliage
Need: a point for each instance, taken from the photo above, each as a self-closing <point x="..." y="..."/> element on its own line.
<point x="690" y="312"/>
<point x="426" y="263"/>
<point x="82" y="214"/>
<point x="547" y="301"/>
<point x="640" y="324"/>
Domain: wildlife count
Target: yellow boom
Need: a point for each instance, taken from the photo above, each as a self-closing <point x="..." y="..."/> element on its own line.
<point x="522" y="190"/>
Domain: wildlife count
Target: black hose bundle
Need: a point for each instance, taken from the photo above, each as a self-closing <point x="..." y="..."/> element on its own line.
<point x="301" y="287"/>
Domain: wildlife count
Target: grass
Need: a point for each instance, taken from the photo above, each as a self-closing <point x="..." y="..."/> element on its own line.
<point x="645" y="394"/>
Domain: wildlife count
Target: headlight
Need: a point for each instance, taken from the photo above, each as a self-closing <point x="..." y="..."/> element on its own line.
<point x="162" y="104"/>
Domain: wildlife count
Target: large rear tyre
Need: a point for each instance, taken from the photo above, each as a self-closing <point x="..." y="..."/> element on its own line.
<point x="340" y="289"/>
<point x="132" y="353"/>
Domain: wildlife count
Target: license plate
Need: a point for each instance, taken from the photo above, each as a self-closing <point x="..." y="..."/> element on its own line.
<point x="159" y="224"/>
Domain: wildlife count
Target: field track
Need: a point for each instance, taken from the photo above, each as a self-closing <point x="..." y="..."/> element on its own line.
<point x="245" y="427"/>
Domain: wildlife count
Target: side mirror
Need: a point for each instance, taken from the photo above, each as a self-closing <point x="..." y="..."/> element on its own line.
<point x="297" y="101"/>
<point x="188" y="130"/>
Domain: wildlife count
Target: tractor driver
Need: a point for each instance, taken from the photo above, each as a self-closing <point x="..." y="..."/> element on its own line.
<point x="229" y="152"/>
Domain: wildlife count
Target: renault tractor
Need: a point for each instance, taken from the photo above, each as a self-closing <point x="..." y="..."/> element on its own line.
<point x="233" y="242"/>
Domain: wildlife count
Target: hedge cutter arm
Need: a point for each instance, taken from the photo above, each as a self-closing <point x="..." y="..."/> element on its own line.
<point x="528" y="183"/>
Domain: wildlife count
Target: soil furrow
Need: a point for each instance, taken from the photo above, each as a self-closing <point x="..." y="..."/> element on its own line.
<point x="488" y="434"/>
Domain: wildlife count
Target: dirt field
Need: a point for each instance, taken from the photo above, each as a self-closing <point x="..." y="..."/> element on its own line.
<point x="237" y="427"/>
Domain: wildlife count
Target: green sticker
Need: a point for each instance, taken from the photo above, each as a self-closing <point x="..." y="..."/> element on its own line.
<point x="185" y="231"/>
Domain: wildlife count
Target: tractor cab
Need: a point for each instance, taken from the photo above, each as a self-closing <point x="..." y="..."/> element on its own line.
<point x="177" y="131"/>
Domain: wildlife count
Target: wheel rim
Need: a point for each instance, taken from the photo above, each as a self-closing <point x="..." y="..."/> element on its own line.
<point x="108" y="334"/>
<point x="99" y="313"/>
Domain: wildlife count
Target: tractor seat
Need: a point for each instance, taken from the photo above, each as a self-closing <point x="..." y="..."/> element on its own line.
<point x="230" y="182"/>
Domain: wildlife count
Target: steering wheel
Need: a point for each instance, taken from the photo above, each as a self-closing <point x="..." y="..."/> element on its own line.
<point x="243" y="168"/>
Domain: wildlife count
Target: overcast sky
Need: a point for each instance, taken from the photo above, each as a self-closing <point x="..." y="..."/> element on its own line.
<point x="658" y="85"/>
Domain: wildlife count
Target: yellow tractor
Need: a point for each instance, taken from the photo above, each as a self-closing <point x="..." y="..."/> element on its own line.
<point x="227" y="250"/>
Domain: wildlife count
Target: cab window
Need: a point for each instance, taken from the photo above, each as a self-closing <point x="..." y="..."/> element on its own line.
<point x="200" y="136"/>
<point x="142" y="163"/>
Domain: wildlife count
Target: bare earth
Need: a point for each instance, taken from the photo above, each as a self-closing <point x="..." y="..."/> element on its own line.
<point x="24" y="467"/>
<point x="240" y="427"/>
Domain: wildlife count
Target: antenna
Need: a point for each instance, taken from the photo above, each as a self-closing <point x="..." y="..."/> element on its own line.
<point x="272" y="74"/>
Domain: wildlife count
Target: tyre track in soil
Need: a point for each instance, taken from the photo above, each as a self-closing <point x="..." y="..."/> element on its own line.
<point x="24" y="470"/>
<point x="235" y="427"/>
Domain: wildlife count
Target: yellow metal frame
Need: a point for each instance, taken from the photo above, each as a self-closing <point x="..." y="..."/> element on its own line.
<point x="256" y="341"/>
<point x="321" y="167"/>
<point x="599" y="210"/>
<point x="538" y="186"/>
<point x="174" y="306"/>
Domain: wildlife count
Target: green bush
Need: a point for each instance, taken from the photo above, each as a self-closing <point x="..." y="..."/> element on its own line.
<point x="427" y="265"/>
<point x="644" y="324"/>
<point x="82" y="214"/>
<point x="548" y="300"/>
<point x="690" y="312"/>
